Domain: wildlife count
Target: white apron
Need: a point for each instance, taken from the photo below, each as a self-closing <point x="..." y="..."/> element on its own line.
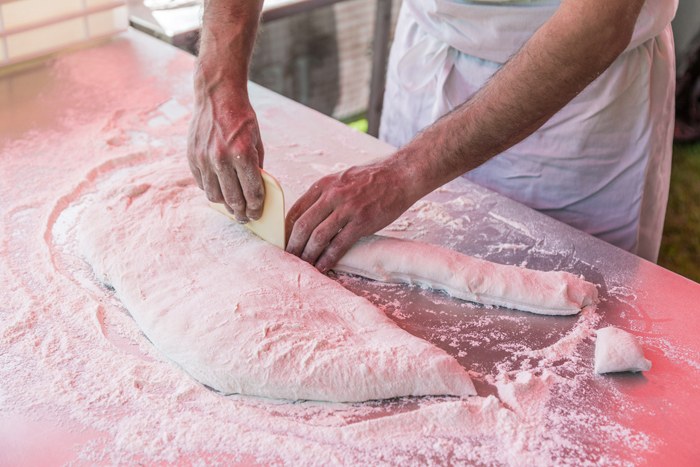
<point x="602" y="164"/>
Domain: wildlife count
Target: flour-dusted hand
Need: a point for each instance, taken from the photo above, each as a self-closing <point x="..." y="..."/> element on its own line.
<point x="340" y="208"/>
<point x="224" y="148"/>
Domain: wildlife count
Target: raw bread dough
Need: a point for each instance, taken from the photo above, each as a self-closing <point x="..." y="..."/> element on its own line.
<point x="617" y="350"/>
<point x="239" y="314"/>
<point x="388" y="259"/>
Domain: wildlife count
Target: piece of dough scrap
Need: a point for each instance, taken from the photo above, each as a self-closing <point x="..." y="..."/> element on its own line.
<point x="617" y="350"/>
<point x="389" y="259"/>
<point x="241" y="315"/>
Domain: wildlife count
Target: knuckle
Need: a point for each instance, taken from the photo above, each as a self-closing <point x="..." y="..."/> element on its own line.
<point x="301" y="226"/>
<point x="241" y="148"/>
<point x="333" y="252"/>
<point x="310" y="253"/>
<point x="323" y="234"/>
<point x="235" y="203"/>
<point x="238" y="209"/>
<point x="214" y="197"/>
<point x="255" y="199"/>
<point x="220" y="160"/>
<point x="195" y="174"/>
<point x="292" y="216"/>
<point x="255" y="205"/>
<point x="289" y="225"/>
<point x="293" y="245"/>
<point x="363" y="217"/>
<point x="254" y="214"/>
<point x="323" y="186"/>
<point x="190" y="152"/>
<point x="317" y="240"/>
<point x="191" y="147"/>
<point x="258" y="195"/>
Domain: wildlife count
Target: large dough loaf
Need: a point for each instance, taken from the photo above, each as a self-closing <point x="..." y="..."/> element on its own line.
<point x="241" y="315"/>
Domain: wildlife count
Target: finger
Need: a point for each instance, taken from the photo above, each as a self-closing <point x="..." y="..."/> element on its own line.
<point x="322" y="236"/>
<point x="233" y="195"/>
<point x="253" y="190"/>
<point x="338" y="246"/>
<point x="196" y="174"/>
<point x="305" y="226"/>
<point x="192" y="154"/>
<point x="261" y="151"/>
<point x="211" y="187"/>
<point x="300" y="207"/>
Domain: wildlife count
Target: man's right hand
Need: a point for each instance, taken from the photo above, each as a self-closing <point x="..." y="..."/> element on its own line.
<point x="224" y="148"/>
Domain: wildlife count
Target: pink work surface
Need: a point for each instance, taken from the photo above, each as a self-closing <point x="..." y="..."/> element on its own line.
<point x="82" y="386"/>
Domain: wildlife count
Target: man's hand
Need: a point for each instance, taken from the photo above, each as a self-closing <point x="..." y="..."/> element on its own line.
<point x="340" y="208"/>
<point x="224" y="148"/>
<point x="564" y="56"/>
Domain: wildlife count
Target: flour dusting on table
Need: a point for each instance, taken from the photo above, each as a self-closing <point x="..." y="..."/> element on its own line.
<point x="69" y="350"/>
<point x="98" y="369"/>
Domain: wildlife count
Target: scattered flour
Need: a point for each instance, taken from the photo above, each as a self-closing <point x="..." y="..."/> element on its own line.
<point x="81" y="356"/>
<point x="512" y="223"/>
<point x="399" y="225"/>
<point x="70" y="353"/>
<point x="435" y="212"/>
<point x="324" y="169"/>
<point x="565" y="346"/>
<point x="462" y="202"/>
<point x="507" y="246"/>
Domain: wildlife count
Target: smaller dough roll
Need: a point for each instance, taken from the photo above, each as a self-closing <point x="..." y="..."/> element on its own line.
<point x="387" y="259"/>
<point x="617" y="350"/>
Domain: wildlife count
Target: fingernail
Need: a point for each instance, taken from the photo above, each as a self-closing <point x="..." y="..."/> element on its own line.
<point x="242" y="221"/>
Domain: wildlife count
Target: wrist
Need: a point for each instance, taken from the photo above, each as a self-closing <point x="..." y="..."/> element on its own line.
<point x="404" y="172"/>
<point x="225" y="68"/>
<point x="215" y="80"/>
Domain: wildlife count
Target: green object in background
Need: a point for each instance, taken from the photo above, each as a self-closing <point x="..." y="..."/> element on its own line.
<point x="360" y="125"/>
<point x="357" y="121"/>
<point x="680" y="244"/>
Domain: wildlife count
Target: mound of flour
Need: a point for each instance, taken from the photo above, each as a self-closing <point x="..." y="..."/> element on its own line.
<point x="69" y="350"/>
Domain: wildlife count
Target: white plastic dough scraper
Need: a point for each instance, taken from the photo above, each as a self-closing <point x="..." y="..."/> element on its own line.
<point x="270" y="226"/>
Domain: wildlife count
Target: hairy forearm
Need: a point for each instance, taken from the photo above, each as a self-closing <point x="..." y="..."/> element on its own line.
<point x="224" y="148"/>
<point x="229" y="29"/>
<point x="565" y="55"/>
